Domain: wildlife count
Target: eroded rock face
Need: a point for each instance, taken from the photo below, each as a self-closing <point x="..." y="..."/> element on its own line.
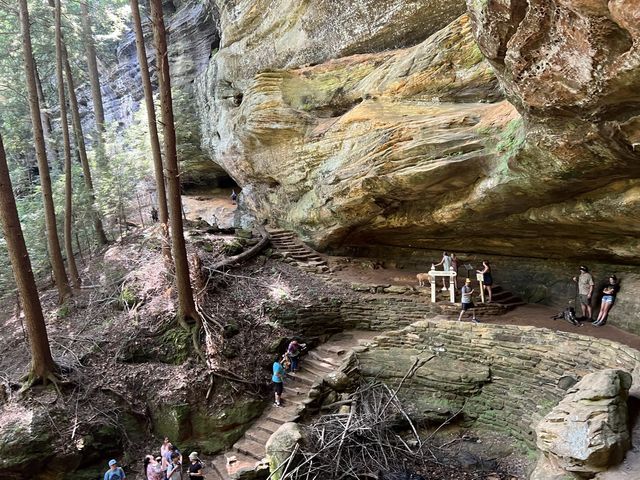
<point x="588" y="430"/>
<point x="416" y="146"/>
<point x="281" y="444"/>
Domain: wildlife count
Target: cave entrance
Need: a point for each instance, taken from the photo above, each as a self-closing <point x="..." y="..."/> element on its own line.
<point x="211" y="199"/>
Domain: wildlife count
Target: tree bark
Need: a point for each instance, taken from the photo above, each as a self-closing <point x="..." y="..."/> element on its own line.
<point x="42" y="364"/>
<point x="66" y="144"/>
<point x="53" y="243"/>
<point x="187" y="308"/>
<point x="45" y="117"/>
<point x="94" y="80"/>
<point x="153" y="127"/>
<point x="78" y="135"/>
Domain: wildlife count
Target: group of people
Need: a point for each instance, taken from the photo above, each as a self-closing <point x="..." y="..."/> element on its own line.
<point x="288" y="363"/>
<point x="167" y="466"/>
<point x="586" y="287"/>
<point x="449" y="263"/>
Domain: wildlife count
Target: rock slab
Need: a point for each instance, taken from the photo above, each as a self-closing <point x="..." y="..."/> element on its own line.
<point x="588" y="430"/>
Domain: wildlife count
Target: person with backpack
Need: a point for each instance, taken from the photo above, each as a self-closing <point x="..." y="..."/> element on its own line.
<point x="293" y="353"/>
<point x="114" y="472"/>
<point x="174" y="470"/>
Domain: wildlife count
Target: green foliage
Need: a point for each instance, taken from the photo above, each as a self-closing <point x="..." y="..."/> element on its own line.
<point x="128" y="298"/>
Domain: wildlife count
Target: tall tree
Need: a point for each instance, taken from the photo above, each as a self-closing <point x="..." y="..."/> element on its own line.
<point x="153" y="126"/>
<point x="187" y="308"/>
<point x="66" y="144"/>
<point x="42" y="364"/>
<point x="78" y="135"/>
<point x="52" y="151"/>
<point x="94" y="80"/>
<point x="53" y="243"/>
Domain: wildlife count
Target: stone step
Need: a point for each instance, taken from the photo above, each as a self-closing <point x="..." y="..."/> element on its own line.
<point x="250" y="448"/>
<point x="267" y="426"/>
<point x="325" y="357"/>
<point x="258" y="435"/>
<point x="317" y="365"/>
<point x="218" y="470"/>
<point x="284" y="414"/>
<point x="225" y="470"/>
<point x="302" y="377"/>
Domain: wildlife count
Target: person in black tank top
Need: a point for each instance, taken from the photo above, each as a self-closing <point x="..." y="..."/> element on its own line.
<point x="195" y="467"/>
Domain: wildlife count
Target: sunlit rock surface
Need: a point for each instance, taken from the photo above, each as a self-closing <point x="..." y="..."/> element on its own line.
<point x="341" y="135"/>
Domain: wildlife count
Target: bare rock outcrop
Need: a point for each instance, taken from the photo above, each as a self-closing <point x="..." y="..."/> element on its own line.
<point x="588" y="431"/>
<point x="386" y="125"/>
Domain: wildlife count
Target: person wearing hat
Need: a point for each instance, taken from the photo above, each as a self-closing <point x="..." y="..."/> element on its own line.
<point x="195" y="467"/>
<point x="114" y="472"/>
<point x="585" y="291"/>
<point x="467" y="303"/>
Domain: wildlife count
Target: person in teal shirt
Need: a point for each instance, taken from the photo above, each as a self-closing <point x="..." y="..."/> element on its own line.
<point x="278" y="380"/>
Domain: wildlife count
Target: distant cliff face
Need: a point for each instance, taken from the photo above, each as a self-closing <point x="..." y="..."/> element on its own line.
<point x="386" y="124"/>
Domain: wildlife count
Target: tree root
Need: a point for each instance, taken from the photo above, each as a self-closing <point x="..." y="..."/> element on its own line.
<point x="31" y="379"/>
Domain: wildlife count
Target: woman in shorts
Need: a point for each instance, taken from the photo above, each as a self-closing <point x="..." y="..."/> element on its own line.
<point x="609" y="293"/>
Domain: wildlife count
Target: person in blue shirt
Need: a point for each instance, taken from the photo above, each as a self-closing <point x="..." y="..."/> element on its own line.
<point x="277" y="378"/>
<point x="114" y="472"/>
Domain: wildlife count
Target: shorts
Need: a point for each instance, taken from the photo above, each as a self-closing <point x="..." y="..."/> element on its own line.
<point x="607" y="299"/>
<point x="467" y="306"/>
<point x="584" y="299"/>
<point x="278" y="387"/>
<point x="487" y="279"/>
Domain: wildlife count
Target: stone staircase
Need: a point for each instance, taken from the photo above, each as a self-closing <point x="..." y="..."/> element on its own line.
<point x="297" y="253"/>
<point x="248" y="454"/>
<point x="501" y="302"/>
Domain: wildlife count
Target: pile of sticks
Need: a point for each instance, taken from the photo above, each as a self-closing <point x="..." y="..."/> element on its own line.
<point x="363" y="443"/>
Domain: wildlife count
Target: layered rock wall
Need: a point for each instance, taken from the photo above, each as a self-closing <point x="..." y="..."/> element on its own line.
<point x="384" y="124"/>
<point x="529" y="368"/>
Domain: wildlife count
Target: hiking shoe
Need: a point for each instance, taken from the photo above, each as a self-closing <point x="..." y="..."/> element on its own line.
<point x="475" y="320"/>
<point x="277" y="404"/>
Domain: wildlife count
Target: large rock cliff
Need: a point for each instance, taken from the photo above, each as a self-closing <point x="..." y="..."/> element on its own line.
<point x="385" y="124"/>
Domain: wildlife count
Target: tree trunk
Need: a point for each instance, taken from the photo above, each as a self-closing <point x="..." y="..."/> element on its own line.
<point x="53" y="242"/>
<point x="187" y="308"/>
<point x="153" y="127"/>
<point x="42" y="365"/>
<point x="94" y="80"/>
<point x="66" y="143"/>
<point x="45" y="117"/>
<point x="80" y="144"/>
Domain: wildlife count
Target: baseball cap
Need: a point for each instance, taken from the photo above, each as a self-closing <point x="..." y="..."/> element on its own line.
<point x="112" y="462"/>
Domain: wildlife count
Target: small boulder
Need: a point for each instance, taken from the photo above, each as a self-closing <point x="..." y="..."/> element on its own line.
<point x="588" y="430"/>
<point x="338" y="381"/>
<point x="280" y="446"/>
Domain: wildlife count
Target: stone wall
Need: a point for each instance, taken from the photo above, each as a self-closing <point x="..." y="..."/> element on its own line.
<point x="367" y="313"/>
<point x="499" y="376"/>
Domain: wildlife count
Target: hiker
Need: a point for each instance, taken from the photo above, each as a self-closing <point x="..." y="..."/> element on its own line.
<point x="293" y="353"/>
<point x="454" y="268"/>
<point x="487" y="279"/>
<point x="114" y="472"/>
<point x="195" y="467"/>
<point x="153" y="468"/>
<point x="166" y="458"/>
<point x="585" y="292"/>
<point x="278" y="381"/>
<point x="154" y="214"/>
<point x="467" y="302"/>
<point x="234" y="196"/>
<point x="164" y="448"/>
<point x="446" y="266"/>
<point x="174" y="470"/>
<point x="609" y="293"/>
